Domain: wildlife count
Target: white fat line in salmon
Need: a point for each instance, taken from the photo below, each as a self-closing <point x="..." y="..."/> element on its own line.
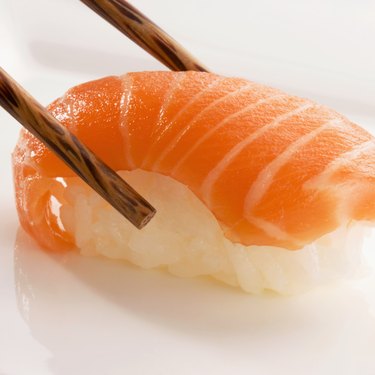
<point x="194" y="99"/>
<point x="127" y="93"/>
<point x="221" y="124"/>
<point x="273" y="230"/>
<point x="176" y="84"/>
<point x="265" y="178"/>
<point x="216" y="172"/>
<point x="200" y="114"/>
<point x="322" y="180"/>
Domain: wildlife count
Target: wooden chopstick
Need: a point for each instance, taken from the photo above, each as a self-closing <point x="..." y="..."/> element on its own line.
<point x="141" y="30"/>
<point x="36" y="119"/>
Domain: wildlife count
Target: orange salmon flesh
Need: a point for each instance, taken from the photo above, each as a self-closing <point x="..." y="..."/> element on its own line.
<point x="274" y="169"/>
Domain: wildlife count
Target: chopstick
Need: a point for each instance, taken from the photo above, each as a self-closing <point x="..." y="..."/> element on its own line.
<point x="146" y="34"/>
<point x="36" y="119"/>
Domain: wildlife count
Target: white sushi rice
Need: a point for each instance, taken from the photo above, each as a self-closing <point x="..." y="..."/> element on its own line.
<point x="186" y="239"/>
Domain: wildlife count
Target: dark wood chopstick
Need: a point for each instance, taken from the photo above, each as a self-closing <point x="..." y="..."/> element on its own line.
<point x="36" y="119"/>
<point x="141" y="30"/>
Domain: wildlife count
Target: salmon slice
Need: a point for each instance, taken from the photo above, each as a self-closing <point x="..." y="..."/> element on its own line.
<point x="273" y="168"/>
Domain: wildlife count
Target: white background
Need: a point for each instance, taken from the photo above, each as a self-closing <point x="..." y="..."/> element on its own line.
<point x="71" y="315"/>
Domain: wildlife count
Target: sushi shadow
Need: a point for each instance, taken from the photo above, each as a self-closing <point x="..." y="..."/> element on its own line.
<point x="66" y="300"/>
<point x="193" y="305"/>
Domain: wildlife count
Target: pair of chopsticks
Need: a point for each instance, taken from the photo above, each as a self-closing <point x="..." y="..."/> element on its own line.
<point x="36" y="119"/>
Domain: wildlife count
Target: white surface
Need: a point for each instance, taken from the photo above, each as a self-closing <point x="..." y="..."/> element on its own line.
<point x="71" y="315"/>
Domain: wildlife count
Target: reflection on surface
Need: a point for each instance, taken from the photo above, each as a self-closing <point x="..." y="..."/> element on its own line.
<point x="125" y="318"/>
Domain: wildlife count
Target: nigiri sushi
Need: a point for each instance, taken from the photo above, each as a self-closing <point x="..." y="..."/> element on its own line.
<point x="252" y="186"/>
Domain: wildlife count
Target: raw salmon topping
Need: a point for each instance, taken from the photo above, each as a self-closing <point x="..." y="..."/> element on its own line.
<point x="274" y="169"/>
